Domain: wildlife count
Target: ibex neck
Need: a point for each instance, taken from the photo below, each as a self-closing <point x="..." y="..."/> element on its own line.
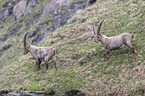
<point x="103" y="40"/>
<point x="33" y="50"/>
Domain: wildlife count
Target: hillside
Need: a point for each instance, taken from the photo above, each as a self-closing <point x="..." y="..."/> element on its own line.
<point x="80" y="60"/>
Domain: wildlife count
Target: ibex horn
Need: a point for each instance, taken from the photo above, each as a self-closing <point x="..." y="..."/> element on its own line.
<point x="99" y="27"/>
<point x="25" y="39"/>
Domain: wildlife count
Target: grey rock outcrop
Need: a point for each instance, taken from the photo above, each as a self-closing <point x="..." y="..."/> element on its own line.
<point x="4" y="14"/>
<point x="19" y="9"/>
<point x="24" y="7"/>
<point x="61" y="10"/>
<point x="30" y="5"/>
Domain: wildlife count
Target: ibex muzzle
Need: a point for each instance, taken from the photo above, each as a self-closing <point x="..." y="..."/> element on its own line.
<point x="114" y="42"/>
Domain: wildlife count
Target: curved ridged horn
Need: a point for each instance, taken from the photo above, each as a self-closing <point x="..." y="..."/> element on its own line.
<point x="25" y="39"/>
<point x="94" y="29"/>
<point x="98" y="30"/>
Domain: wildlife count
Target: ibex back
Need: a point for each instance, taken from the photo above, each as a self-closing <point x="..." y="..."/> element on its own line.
<point x="114" y="42"/>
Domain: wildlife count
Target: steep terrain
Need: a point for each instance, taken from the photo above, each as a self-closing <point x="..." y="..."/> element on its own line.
<point x="80" y="60"/>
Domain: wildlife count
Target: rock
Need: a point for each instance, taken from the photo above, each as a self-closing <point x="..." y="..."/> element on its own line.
<point x="30" y="6"/>
<point x="75" y="92"/>
<point x="62" y="10"/>
<point x="6" y="4"/>
<point x="54" y="4"/>
<point x="33" y="20"/>
<point x="4" y="14"/>
<point x="3" y="92"/>
<point x="90" y="2"/>
<point x="19" y="9"/>
<point x="1" y="16"/>
<point x="2" y="50"/>
<point x="24" y="7"/>
<point x="1" y="26"/>
<point x="6" y="47"/>
<point x="61" y="17"/>
<point x="38" y="38"/>
<point x="12" y="31"/>
<point x="33" y="33"/>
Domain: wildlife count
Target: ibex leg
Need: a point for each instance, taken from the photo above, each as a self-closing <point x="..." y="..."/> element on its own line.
<point x="38" y="62"/>
<point x="130" y="45"/>
<point x="107" y="54"/>
<point x="54" y="61"/>
<point x="47" y="65"/>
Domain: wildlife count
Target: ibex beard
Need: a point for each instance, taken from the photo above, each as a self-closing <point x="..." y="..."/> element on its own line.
<point x="40" y="53"/>
<point x="114" y="42"/>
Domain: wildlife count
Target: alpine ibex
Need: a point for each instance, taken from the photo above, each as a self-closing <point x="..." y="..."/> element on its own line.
<point x="114" y="42"/>
<point x="40" y="53"/>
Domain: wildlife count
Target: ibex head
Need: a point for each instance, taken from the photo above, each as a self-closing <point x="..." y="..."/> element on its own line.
<point x="97" y="34"/>
<point x="26" y="44"/>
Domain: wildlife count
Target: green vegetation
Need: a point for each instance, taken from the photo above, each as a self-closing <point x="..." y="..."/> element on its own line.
<point x="80" y="60"/>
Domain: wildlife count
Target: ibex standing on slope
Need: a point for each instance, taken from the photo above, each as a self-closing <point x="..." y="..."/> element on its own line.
<point x="114" y="42"/>
<point x="40" y="53"/>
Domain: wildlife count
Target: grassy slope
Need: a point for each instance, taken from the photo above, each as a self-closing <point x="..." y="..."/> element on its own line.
<point x="81" y="61"/>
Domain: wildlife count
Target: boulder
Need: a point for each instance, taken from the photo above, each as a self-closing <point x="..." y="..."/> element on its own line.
<point x="54" y="4"/>
<point x="4" y="14"/>
<point x="19" y="9"/>
<point x="24" y="7"/>
<point x="30" y="5"/>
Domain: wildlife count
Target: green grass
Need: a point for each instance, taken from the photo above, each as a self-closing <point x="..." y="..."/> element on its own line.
<point x="80" y="60"/>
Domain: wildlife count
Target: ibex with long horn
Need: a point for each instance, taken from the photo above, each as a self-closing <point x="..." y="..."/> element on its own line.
<point x="40" y="53"/>
<point x="114" y="42"/>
